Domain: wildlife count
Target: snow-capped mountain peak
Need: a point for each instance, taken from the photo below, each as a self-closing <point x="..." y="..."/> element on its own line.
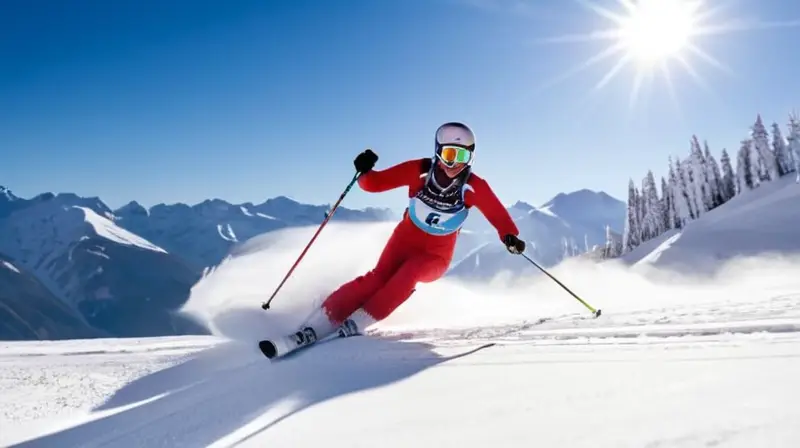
<point x="105" y="228"/>
<point x="6" y="194"/>
<point x="566" y="224"/>
<point x="204" y="233"/>
<point x="522" y="206"/>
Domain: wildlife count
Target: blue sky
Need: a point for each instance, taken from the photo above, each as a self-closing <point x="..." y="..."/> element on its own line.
<point x="181" y="101"/>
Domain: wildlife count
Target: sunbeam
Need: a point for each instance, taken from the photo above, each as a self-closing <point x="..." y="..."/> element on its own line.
<point x="651" y="35"/>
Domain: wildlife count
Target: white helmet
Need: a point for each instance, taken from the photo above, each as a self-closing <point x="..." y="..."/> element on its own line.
<point x="455" y="134"/>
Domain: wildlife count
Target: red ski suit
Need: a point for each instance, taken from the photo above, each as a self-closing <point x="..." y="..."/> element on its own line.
<point x="411" y="255"/>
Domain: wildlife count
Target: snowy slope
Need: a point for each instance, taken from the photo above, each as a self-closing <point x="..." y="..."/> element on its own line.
<point x="682" y="361"/>
<point x="578" y="218"/>
<point x="203" y="234"/>
<point x="118" y="281"/>
<point x="727" y="391"/>
<point x="764" y="222"/>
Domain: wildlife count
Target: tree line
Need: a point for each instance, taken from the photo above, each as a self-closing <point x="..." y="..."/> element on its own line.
<point x="698" y="184"/>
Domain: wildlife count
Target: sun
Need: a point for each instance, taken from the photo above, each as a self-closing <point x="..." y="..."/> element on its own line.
<point x="654" y="30"/>
<point x="653" y="36"/>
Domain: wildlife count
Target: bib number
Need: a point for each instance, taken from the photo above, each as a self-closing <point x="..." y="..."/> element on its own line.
<point x="433" y="219"/>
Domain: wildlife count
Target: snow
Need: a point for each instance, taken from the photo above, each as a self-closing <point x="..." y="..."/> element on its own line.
<point x="575" y="219"/>
<point x="8" y="265"/>
<point x="681" y="357"/>
<point x="762" y="222"/>
<point x="733" y="390"/>
<point x="546" y="211"/>
<point x="107" y="229"/>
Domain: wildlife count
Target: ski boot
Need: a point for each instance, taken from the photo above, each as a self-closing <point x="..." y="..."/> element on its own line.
<point x="348" y="328"/>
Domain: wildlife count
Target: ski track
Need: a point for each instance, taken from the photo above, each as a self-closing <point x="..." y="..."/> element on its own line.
<point x="566" y="372"/>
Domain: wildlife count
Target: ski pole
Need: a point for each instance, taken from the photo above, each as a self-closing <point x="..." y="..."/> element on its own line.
<point x="594" y="311"/>
<point x="328" y="216"/>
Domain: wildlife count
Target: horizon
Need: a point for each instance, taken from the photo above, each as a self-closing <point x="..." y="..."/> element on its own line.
<point x="262" y="201"/>
<point x="181" y="103"/>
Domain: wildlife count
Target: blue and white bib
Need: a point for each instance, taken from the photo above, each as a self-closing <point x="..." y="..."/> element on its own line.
<point x="437" y="210"/>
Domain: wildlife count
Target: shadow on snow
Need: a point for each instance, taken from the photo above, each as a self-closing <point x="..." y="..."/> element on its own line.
<point x="221" y="389"/>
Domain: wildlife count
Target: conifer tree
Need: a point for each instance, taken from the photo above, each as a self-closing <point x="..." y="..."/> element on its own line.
<point x="690" y="188"/>
<point x="684" y="193"/>
<point x="781" y="150"/>
<point x="630" y="235"/>
<point x="746" y="173"/>
<point x="767" y="167"/>
<point x="679" y="204"/>
<point x="698" y="178"/>
<point x="794" y="142"/>
<point x="652" y="221"/>
<point x="728" y="188"/>
<point x="613" y="247"/>
<point x="714" y="178"/>
<point x="640" y="213"/>
<point x="667" y="221"/>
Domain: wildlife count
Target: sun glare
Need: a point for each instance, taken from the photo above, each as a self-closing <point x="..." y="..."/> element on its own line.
<point x="654" y="36"/>
<point x="657" y="29"/>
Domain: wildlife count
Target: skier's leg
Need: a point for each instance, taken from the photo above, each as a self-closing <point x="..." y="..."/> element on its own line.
<point x="349" y="296"/>
<point x="423" y="268"/>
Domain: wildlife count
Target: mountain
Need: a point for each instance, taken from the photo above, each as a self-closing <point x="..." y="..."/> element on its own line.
<point x="203" y="234"/>
<point x="567" y="225"/>
<point x="9" y="202"/>
<point x="119" y="282"/>
<point x="125" y="272"/>
<point x="28" y="310"/>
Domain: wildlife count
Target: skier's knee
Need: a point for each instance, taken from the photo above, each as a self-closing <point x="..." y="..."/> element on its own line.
<point x="381" y="306"/>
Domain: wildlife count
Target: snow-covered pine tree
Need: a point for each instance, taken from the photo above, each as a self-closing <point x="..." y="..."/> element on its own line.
<point x="767" y="167"/>
<point x="641" y="211"/>
<point x="794" y="142"/>
<point x="675" y="198"/>
<point x="684" y="197"/>
<point x="728" y="189"/>
<point x="652" y="221"/>
<point x="746" y="174"/>
<point x="695" y="200"/>
<point x="699" y="180"/>
<point x="630" y="235"/>
<point x="570" y="248"/>
<point x="667" y="222"/>
<point x="781" y="150"/>
<point x="714" y="177"/>
<point x="613" y="247"/>
<point x="679" y="204"/>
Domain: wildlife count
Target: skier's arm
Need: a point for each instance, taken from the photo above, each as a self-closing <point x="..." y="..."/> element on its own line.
<point x="486" y="201"/>
<point x="402" y="174"/>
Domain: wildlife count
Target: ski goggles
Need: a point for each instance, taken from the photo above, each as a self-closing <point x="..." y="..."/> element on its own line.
<point x="451" y="155"/>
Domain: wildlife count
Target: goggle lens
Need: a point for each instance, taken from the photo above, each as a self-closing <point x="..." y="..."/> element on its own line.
<point x="454" y="154"/>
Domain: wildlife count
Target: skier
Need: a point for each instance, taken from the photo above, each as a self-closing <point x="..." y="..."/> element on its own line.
<point x="441" y="191"/>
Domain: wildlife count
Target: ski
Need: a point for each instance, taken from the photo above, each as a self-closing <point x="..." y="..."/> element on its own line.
<point x="304" y="338"/>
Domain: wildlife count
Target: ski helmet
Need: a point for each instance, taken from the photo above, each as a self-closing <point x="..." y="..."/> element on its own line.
<point x="455" y="143"/>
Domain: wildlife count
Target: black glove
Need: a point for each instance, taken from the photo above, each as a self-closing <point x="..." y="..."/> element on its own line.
<point x="365" y="161"/>
<point x="514" y="244"/>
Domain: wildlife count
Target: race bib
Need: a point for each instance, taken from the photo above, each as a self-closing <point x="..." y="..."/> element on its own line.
<point x="433" y="221"/>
